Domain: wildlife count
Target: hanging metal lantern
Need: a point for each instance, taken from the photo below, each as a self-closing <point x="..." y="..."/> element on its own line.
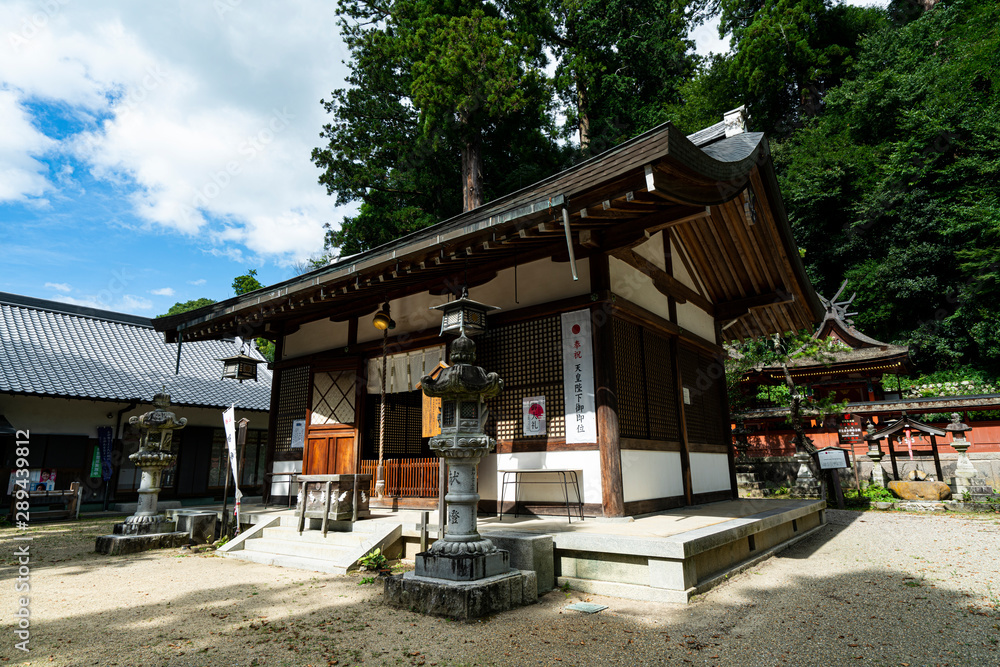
<point x="240" y="367"/>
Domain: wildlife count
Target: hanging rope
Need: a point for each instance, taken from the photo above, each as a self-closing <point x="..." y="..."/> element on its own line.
<point x="379" y="477"/>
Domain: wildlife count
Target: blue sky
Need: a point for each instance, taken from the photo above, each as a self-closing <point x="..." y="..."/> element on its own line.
<point x="153" y="152"/>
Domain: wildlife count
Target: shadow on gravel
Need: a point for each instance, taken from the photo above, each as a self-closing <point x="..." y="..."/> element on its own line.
<point x="821" y="610"/>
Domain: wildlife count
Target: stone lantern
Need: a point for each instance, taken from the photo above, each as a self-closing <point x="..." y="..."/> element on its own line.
<point x="875" y="454"/>
<point x="154" y="455"/>
<point x="463" y="554"/>
<point x="965" y="472"/>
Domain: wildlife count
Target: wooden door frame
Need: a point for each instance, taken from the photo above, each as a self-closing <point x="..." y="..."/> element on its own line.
<point x="336" y="366"/>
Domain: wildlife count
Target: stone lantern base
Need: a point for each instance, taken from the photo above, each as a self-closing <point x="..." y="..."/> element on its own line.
<point x="462" y="600"/>
<point x="464" y="567"/>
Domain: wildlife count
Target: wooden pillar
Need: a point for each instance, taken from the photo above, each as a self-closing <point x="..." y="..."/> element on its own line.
<point x="937" y="459"/>
<point x="892" y="457"/>
<point x="606" y="400"/>
<point x="682" y="422"/>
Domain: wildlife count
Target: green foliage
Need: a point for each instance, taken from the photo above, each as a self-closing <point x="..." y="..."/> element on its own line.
<point x="894" y="186"/>
<point x="184" y="307"/>
<point x="373" y="560"/>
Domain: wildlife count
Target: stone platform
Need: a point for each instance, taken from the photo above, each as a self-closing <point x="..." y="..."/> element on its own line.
<point x="461" y="600"/>
<point x="119" y="545"/>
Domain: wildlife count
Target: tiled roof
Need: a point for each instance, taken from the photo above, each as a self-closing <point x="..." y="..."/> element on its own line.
<point x="53" y="349"/>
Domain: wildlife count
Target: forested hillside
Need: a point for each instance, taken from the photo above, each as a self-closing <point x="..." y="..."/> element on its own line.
<point x="884" y="125"/>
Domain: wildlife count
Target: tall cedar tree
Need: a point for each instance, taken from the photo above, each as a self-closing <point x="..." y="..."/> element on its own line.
<point x="620" y="64"/>
<point x="446" y="107"/>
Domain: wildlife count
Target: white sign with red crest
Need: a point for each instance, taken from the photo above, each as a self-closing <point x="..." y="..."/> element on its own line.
<point x="578" y="377"/>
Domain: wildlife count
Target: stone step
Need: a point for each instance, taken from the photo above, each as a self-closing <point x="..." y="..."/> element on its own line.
<point x="316" y="536"/>
<point x="296" y="562"/>
<point x="331" y="552"/>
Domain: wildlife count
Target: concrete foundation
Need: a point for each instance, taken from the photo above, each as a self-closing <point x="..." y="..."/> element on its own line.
<point x="529" y="552"/>
<point x="461" y="600"/>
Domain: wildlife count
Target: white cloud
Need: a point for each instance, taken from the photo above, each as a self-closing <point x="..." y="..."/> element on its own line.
<point x="206" y="118"/>
<point x="60" y="287"/>
<point x="131" y="303"/>
<point x="22" y="175"/>
<point x="163" y="291"/>
<point x="200" y="281"/>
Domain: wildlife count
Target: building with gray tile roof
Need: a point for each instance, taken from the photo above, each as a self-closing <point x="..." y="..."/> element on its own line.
<point x="49" y="348"/>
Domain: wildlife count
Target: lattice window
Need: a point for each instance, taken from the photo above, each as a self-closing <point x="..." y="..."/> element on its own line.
<point x="403" y="414"/>
<point x="528" y="357"/>
<point x="661" y="388"/>
<point x="333" y="398"/>
<point x="707" y="417"/>
<point x="630" y="380"/>
<point x="293" y="401"/>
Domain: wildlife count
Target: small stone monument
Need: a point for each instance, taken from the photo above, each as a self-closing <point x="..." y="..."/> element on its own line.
<point x="146" y="529"/>
<point x="806" y="484"/>
<point x="875" y="454"/>
<point x="463" y="575"/>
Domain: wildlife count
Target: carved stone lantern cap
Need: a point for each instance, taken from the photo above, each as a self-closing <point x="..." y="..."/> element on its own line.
<point x="956" y="427"/>
<point x="462" y="379"/>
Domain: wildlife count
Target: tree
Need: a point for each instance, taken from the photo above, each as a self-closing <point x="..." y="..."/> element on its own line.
<point x="788" y="53"/>
<point x="245" y="284"/>
<point x="183" y="307"/>
<point x="894" y="186"/>
<point x="620" y="64"/>
<point x="429" y="83"/>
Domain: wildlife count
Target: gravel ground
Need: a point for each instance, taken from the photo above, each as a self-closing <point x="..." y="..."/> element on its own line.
<point x="867" y="588"/>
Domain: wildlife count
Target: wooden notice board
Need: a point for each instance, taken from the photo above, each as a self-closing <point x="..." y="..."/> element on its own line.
<point x="430" y="426"/>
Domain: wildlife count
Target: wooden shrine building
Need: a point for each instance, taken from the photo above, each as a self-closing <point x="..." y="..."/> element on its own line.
<point x="617" y="282"/>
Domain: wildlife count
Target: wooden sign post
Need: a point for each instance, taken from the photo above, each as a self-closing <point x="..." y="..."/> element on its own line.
<point x="833" y="459"/>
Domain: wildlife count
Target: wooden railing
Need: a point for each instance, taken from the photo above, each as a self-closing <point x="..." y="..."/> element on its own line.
<point x="405" y="478"/>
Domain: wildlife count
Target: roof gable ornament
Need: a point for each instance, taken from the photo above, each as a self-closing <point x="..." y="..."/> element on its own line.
<point x="736" y="121"/>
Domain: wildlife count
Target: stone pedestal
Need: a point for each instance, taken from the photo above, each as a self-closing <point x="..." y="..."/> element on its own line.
<point x="462" y="567"/>
<point x="199" y="526"/>
<point x="461" y="601"/>
<point x="965" y="473"/>
<point x="806" y="484"/>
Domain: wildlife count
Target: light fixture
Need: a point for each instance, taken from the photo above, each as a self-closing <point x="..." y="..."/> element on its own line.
<point x="463" y="315"/>
<point x="241" y="366"/>
<point x="382" y="321"/>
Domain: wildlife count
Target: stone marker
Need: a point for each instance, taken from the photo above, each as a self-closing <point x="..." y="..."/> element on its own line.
<point x="920" y="490"/>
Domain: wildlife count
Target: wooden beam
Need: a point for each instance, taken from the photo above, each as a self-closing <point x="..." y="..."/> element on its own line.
<point x="733" y="309"/>
<point x="653" y="229"/>
<point x="675" y="363"/>
<point x="664" y="282"/>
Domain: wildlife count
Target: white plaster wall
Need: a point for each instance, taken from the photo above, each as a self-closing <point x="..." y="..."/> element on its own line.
<point x="637" y="288"/>
<point x="709" y="472"/>
<point x="648" y="475"/>
<point x="692" y="318"/>
<point x="538" y="282"/>
<point x="315" y="337"/>
<point x="680" y="271"/>
<point x="586" y="463"/>
<point x="653" y="250"/>
<point x="67" y="416"/>
<point x="412" y="313"/>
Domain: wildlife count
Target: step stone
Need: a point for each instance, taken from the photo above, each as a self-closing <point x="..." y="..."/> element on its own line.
<point x="295" y="562"/>
<point x="289" y="548"/>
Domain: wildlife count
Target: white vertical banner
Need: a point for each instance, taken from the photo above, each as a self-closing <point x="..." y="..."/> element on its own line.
<point x="578" y="377"/>
<point x="229" y="421"/>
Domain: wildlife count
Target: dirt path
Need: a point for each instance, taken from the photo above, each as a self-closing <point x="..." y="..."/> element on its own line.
<point x="874" y="588"/>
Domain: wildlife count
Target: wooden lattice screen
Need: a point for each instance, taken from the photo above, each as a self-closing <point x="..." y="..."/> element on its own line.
<point x="528" y="357"/>
<point x="293" y="401"/>
<point x="403" y="412"/>
<point x="707" y="416"/>
<point x="644" y="384"/>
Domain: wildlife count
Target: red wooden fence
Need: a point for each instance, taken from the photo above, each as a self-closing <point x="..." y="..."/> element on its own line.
<point x="405" y="478"/>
